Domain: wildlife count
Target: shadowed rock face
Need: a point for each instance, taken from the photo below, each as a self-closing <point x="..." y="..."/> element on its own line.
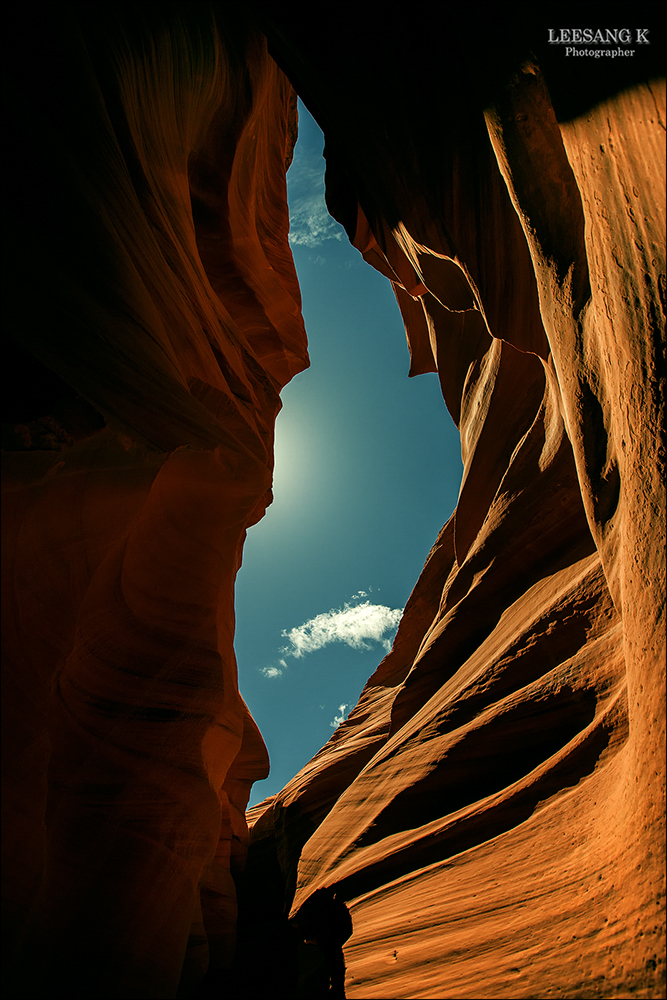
<point x="149" y="206"/>
<point x="492" y="810"/>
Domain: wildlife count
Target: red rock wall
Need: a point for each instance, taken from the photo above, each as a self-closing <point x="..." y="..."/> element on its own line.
<point x="151" y="207"/>
<point x="493" y="808"/>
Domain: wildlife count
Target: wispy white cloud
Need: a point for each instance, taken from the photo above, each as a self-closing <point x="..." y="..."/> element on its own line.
<point x="272" y="671"/>
<point x="310" y="223"/>
<point x="354" y="624"/>
<point x="338" y="718"/>
<point x="358" y="624"/>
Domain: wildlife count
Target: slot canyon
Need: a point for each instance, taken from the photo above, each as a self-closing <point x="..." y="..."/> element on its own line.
<point x="489" y="821"/>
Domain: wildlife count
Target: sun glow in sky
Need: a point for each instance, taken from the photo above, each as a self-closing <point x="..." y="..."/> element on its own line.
<point x="367" y="471"/>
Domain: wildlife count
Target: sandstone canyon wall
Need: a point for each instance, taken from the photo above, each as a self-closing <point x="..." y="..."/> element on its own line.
<point x="492" y="810"/>
<point x="154" y="296"/>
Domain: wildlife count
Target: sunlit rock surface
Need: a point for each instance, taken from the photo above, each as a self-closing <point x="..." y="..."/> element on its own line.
<point x="493" y="807"/>
<point x="492" y="810"/>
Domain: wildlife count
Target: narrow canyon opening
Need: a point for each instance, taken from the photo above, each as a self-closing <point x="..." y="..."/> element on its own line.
<point x="487" y="816"/>
<point x="367" y="469"/>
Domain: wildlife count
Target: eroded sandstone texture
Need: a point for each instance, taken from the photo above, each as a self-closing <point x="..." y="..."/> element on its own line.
<point x="493" y="808"/>
<point x="153" y="275"/>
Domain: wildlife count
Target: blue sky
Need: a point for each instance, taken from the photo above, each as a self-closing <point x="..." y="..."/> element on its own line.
<point x="367" y="471"/>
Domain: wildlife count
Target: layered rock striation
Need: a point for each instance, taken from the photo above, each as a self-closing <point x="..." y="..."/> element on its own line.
<point x="493" y="807"/>
<point x="492" y="811"/>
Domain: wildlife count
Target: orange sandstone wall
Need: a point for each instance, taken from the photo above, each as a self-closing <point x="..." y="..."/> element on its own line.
<point x="493" y="808"/>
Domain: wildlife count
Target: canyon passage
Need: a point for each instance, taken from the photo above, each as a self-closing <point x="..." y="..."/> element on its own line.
<point x="489" y="820"/>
